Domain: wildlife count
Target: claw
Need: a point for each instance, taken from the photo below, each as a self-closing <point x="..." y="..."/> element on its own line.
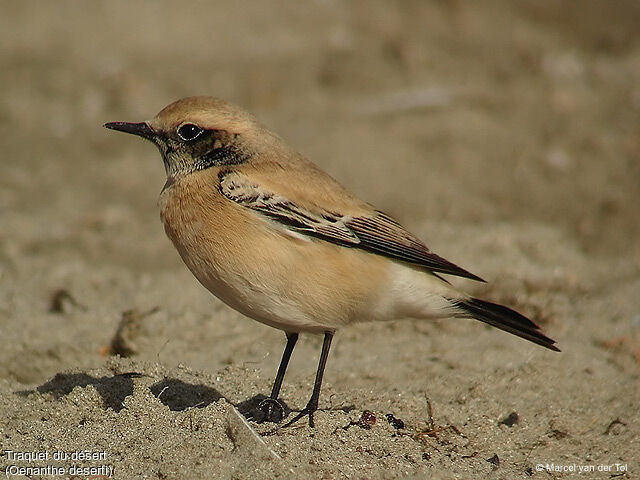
<point x="309" y="410"/>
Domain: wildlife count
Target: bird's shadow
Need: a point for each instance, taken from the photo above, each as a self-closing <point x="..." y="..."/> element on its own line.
<point x="113" y="390"/>
<point x="176" y="394"/>
<point x="179" y="395"/>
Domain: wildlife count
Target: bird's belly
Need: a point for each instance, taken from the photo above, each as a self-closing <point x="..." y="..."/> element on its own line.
<point x="262" y="303"/>
<point x="291" y="284"/>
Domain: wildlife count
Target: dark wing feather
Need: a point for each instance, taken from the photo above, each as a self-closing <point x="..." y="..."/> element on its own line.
<point x="378" y="233"/>
<point x="383" y="235"/>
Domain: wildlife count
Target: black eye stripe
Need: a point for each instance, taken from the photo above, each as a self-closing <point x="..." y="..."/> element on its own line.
<point x="189" y="131"/>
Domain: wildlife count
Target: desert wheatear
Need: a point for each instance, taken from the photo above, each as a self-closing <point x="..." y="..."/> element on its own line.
<point x="279" y="240"/>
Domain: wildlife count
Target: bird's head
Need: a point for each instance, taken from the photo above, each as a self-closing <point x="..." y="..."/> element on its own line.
<point x="196" y="133"/>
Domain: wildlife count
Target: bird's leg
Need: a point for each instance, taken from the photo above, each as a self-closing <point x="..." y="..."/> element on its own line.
<point x="312" y="405"/>
<point x="271" y="405"/>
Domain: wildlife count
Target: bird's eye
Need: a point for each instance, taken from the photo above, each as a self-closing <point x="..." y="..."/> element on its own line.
<point x="189" y="131"/>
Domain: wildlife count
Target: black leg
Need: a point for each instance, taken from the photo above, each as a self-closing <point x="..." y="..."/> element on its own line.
<point x="270" y="405"/>
<point x="312" y="406"/>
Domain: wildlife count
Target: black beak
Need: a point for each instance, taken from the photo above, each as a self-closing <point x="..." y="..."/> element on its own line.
<point x="141" y="129"/>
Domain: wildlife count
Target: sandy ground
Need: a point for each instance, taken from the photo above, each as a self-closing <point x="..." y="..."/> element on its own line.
<point x="505" y="134"/>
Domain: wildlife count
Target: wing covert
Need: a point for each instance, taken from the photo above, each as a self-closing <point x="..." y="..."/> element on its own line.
<point x="376" y="233"/>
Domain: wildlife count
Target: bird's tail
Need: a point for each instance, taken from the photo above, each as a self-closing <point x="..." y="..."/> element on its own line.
<point x="505" y="319"/>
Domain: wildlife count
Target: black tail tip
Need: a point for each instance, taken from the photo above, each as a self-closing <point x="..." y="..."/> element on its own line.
<point x="505" y="319"/>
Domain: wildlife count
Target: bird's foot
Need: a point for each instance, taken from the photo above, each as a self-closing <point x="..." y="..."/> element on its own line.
<point x="309" y="410"/>
<point x="272" y="410"/>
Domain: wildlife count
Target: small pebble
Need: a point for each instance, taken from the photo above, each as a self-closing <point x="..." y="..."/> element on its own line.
<point x="510" y="420"/>
<point x="395" y="422"/>
<point x="367" y="420"/>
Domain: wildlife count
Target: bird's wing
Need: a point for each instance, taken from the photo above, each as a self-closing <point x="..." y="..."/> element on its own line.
<point x="371" y="230"/>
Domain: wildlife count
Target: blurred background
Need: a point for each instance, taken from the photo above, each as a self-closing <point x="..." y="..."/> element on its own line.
<point x="457" y="118"/>
<point x="506" y="134"/>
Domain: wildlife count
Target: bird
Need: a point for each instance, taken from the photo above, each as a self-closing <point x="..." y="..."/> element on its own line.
<point x="282" y="242"/>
